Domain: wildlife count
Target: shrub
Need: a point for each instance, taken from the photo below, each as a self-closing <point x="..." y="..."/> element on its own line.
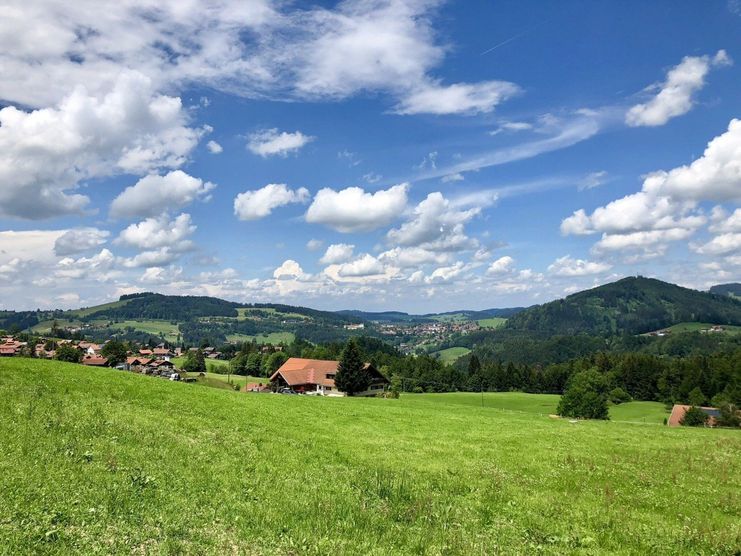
<point x="68" y="353"/>
<point x="695" y="417"/>
<point x="729" y="415"/>
<point x="618" y="396"/>
<point x="585" y="396"/>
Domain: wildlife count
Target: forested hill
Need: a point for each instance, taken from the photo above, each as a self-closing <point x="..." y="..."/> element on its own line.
<point x="168" y="307"/>
<point x="632" y="305"/>
<point x="733" y="290"/>
<point x="187" y="308"/>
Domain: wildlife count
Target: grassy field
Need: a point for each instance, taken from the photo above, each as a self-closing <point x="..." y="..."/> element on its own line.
<point x="450" y="355"/>
<point x="109" y="462"/>
<point x="493" y="322"/>
<point x="178" y="362"/>
<point x="162" y="328"/>
<point x="697" y="326"/>
<point x="224" y="381"/>
<point x="544" y="404"/>
<point x="267" y="338"/>
<point x="86" y="311"/>
<point x="243" y="313"/>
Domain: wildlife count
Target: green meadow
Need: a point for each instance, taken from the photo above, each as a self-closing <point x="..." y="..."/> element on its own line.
<point x="98" y="461"/>
<point x="450" y="355"/>
<point x="493" y="322"/>
<point x="264" y="338"/>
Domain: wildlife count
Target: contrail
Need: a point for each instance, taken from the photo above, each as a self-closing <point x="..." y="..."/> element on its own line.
<point x="517" y="36"/>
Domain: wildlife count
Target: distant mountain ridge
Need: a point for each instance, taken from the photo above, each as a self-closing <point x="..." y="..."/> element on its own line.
<point x="633" y="305"/>
<point x="733" y="289"/>
<point x="400" y="316"/>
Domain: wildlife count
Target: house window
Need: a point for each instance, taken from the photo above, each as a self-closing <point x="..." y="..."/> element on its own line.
<point x="330" y="376"/>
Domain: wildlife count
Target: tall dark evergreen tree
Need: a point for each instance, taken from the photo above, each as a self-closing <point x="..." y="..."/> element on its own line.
<point x="351" y="376"/>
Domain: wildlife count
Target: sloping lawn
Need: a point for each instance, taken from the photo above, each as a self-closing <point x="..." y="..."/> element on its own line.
<point x="97" y="461"/>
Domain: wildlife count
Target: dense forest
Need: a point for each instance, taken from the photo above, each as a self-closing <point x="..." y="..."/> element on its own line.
<point x="168" y="307"/>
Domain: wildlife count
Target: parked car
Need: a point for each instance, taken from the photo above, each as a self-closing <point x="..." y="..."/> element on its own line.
<point x="286" y="391"/>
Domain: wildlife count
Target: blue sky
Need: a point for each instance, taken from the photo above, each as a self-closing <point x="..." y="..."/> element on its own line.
<point x="419" y="155"/>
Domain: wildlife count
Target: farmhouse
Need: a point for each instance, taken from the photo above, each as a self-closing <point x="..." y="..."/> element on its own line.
<point x="316" y="377"/>
<point x="95" y="361"/>
<point x="678" y="412"/>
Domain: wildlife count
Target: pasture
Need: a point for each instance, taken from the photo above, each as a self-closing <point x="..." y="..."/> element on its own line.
<point x="493" y="322"/>
<point x="450" y="355"/>
<point x="110" y="462"/>
<point x="264" y="338"/>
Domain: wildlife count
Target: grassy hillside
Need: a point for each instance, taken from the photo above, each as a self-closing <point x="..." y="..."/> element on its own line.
<point x="102" y="461"/>
<point x="631" y="305"/>
<point x="450" y="355"/>
<point x="492" y="322"/>
<point x="544" y="404"/>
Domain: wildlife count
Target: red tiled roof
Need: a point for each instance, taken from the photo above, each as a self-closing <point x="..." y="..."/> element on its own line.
<point x="95" y="361"/>
<point x="296" y="371"/>
<point x="137" y="360"/>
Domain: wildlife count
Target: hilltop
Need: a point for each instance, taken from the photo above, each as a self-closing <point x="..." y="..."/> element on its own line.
<point x="103" y="461"/>
<point x="733" y="289"/>
<point x="633" y="305"/>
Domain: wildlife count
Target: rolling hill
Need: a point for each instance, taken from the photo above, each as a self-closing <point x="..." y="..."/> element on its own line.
<point x="632" y="305"/>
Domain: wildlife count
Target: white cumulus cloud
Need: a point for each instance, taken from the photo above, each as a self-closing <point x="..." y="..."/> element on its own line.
<point x="269" y="142"/>
<point x="153" y="233"/>
<point x="568" y="266"/>
<point x="253" y="205"/>
<point x="355" y="210"/>
<point x="337" y="253"/>
<point x="459" y="98"/>
<point x="152" y="194"/>
<point x="78" y="240"/>
<point x="675" y="94"/>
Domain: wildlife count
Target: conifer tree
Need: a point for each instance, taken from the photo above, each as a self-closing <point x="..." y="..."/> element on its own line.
<point x="351" y="376"/>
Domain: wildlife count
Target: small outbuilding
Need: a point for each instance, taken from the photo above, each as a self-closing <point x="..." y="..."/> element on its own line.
<point x="679" y="411"/>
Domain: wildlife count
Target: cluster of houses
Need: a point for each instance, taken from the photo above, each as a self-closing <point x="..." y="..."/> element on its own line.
<point x="9" y="347"/>
<point x="427" y="332"/>
<point x="296" y="376"/>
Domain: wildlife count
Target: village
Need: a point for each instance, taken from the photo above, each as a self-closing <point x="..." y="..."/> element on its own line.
<point x="295" y="376"/>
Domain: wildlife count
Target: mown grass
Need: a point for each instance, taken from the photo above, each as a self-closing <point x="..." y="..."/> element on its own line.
<point x="451" y="355"/>
<point x="264" y="338"/>
<point x="493" y="322"/>
<point x="109" y="462"/>
<point x="697" y="326"/>
<point x="163" y="328"/>
<point x="544" y="404"/>
<point x="179" y="361"/>
<point x="227" y="381"/>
